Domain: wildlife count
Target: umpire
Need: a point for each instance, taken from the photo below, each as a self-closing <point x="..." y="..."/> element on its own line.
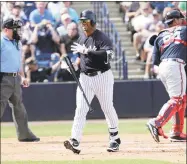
<point x="11" y="76"/>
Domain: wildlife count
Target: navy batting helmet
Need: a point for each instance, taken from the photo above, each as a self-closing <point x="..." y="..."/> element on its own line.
<point x="88" y="14"/>
<point x="174" y="14"/>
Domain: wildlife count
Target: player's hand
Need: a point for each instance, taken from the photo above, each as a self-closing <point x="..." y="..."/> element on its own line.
<point x="24" y="82"/>
<point x="77" y="48"/>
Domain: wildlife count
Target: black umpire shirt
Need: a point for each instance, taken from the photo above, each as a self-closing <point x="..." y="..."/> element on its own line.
<point x="92" y="63"/>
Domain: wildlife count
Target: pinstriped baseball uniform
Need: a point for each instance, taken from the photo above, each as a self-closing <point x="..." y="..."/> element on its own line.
<point x="96" y="79"/>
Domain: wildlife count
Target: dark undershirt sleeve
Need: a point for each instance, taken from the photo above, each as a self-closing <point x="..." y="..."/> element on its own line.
<point x="98" y="53"/>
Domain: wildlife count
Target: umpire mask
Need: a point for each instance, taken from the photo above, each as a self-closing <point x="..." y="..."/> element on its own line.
<point x="17" y="34"/>
<point x="17" y="24"/>
<point x="17" y="30"/>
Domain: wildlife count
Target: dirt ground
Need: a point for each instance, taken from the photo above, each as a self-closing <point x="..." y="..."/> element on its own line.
<point x="94" y="147"/>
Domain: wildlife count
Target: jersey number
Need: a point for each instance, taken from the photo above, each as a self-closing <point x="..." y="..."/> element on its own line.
<point x="171" y="37"/>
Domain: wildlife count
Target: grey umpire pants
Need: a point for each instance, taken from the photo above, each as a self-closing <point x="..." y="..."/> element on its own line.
<point x="10" y="91"/>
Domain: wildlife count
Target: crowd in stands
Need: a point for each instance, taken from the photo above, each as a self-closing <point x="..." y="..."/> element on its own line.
<point x="143" y="20"/>
<point x="49" y="29"/>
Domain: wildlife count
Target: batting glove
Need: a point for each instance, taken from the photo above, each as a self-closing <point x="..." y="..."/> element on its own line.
<point x="92" y="49"/>
<point x="110" y="56"/>
<point x="77" y="48"/>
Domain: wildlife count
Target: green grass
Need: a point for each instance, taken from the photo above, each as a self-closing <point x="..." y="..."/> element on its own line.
<point x="64" y="129"/>
<point x="122" y="161"/>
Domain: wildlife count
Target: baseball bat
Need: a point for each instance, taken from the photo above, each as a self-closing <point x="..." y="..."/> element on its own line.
<point x="72" y="70"/>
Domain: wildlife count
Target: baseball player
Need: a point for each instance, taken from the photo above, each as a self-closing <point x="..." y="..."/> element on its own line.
<point x="96" y="78"/>
<point x="170" y="55"/>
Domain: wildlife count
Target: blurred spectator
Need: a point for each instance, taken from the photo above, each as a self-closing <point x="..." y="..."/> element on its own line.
<point x="67" y="40"/>
<point x="140" y="23"/>
<point x="36" y="74"/>
<point x="130" y="10"/>
<point x="65" y="20"/>
<point x="173" y="4"/>
<point x="28" y="8"/>
<point x="65" y="46"/>
<point x="166" y="10"/>
<point x="64" y="75"/>
<point x="1" y="15"/>
<point x="46" y="40"/>
<point x="154" y="28"/>
<point x="18" y="14"/>
<point x="73" y="14"/>
<point x="28" y="51"/>
<point x="21" y="4"/>
<point x="63" y="11"/>
<point x="41" y="13"/>
<point x="160" y="5"/>
<point x="55" y="57"/>
<point x="182" y="6"/>
<point x="148" y="51"/>
<point x="6" y="9"/>
<point x="27" y="32"/>
<point x="55" y="9"/>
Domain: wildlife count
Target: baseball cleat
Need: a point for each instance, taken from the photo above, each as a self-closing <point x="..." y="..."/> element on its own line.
<point x="114" y="146"/>
<point x="178" y="138"/>
<point x="154" y="131"/>
<point x="72" y="145"/>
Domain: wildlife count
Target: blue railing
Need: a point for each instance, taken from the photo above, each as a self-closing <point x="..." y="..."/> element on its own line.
<point x="107" y="26"/>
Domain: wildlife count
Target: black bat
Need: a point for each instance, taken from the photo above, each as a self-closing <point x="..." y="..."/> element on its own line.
<point x="72" y="70"/>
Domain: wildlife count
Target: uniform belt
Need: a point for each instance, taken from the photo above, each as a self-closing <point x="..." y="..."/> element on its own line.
<point x="94" y="73"/>
<point x="9" y="74"/>
<point x="174" y="59"/>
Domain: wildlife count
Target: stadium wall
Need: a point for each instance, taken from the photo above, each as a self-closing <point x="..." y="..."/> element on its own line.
<point x="56" y="101"/>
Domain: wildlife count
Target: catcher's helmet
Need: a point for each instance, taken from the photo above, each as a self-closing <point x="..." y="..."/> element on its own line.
<point x="88" y="14"/>
<point x="172" y="15"/>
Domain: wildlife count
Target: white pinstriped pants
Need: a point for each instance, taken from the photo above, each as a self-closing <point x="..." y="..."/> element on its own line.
<point x="101" y="86"/>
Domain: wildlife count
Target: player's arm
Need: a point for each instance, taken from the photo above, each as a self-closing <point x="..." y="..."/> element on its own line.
<point x="107" y="55"/>
<point x="104" y="49"/>
<point x="102" y="52"/>
<point x="156" y="57"/>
